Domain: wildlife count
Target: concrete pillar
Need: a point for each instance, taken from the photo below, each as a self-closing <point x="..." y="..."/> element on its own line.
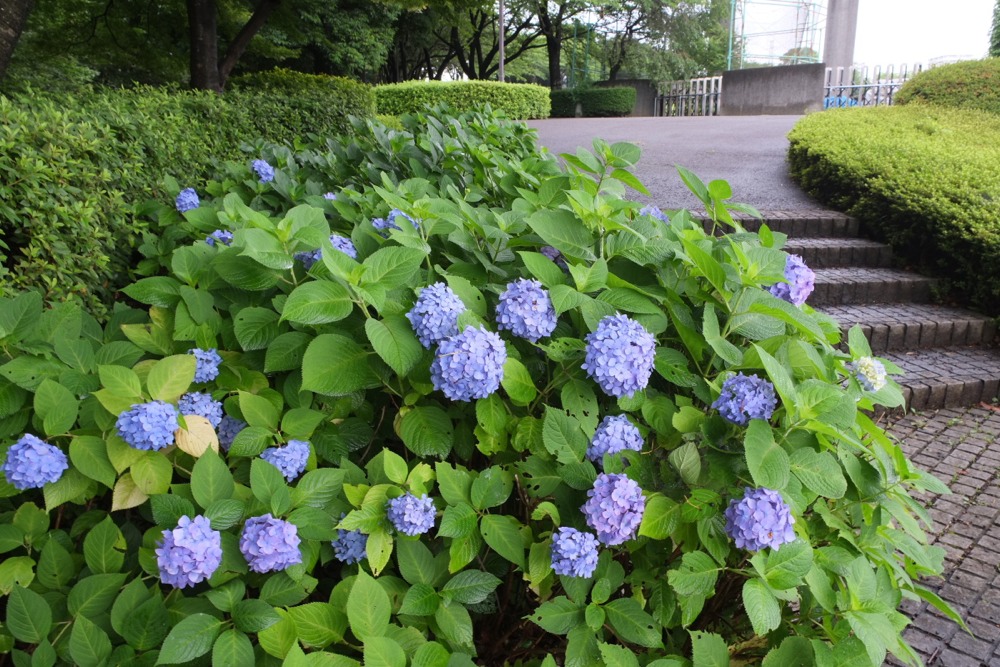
<point x="841" y="29"/>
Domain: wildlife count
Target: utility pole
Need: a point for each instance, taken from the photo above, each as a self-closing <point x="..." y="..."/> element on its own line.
<point x="500" y="75"/>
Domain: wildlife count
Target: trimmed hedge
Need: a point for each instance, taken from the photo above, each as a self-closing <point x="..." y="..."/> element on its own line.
<point x="594" y="102"/>
<point x="974" y="84"/>
<point x="73" y="171"/>
<point x="517" y="100"/>
<point x="924" y="179"/>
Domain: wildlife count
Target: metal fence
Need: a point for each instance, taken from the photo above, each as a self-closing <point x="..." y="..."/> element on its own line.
<point x="693" y="97"/>
<point x="864" y="86"/>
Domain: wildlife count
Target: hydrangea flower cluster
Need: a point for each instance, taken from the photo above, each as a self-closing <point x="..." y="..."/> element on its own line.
<point x="330" y="196"/>
<point x="228" y="429"/>
<point x="574" y="553"/>
<point x="746" y="397"/>
<point x="270" y="544"/>
<point x="620" y="355"/>
<point x="555" y="256"/>
<point x="383" y="225"/>
<point x="614" y="508"/>
<point x="264" y="171"/>
<point x="411" y="515"/>
<point x="32" y="463"/>
<point x="351" y="546"/>
<point x="206" y="364"/>
<point x="190" y="553"/>
<point x="801" y="281"/>
<point x="344" y="245"/>
<point x="654" y="212"/>
<point x="187" y="200"/>
<point x="434" y="316"/>
<point x="290" y="460"/>
<point x="308" y="257"/>
<point x="870" y="373"/>
<point x="203" y="405"/>
<point x="526" y="310"/>
<point x="759" y="519"/>
<point x="469" y="365"/>
<point x="223" y="236"/>
<point x="614" y="434"/>
<point x="148" y="425"/>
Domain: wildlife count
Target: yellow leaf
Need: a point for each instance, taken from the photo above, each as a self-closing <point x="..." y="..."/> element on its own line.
<point x="198" y="437"/>
<point x="126" y="494"/>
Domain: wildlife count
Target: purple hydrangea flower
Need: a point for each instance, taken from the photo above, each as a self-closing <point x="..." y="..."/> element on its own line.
<point x="870" y="373"/>
<point x="32" y="463"/>
<point x="654" y="212"/>
<point x="574" y="553"/>
<point x="434" y="316"/>
<point x="614" y="434"/>
<point x="526" y="310"/>
<point x="190" y="553"/>
<point x="228" y="429"/>
<point x="223" y="236"/>
<point x="760" y="519"/>
<point x="264" y="171"/>
<point x="614" y="508"/>
<point x="290" y="460"/>
<point x="148" y="425"/>
<point x="203" y="405"/>
<point x="206" y="364"/>
<point x="330" y="196"/>
<point x="469" y="365"/>
<point x="555" y="256"/>
<point x="383" y="225"/>
<point x="801" y="280"/>
<point x="620" y="355"/>
<point x="308" y="257"/>
<point x="351" y="546"/>
<point x="411" y="515"/>
<point x="270" y="544"/>
<point x="746" y="397"/>
<point x="344" y="245"/>
<point x="187" y="200"/>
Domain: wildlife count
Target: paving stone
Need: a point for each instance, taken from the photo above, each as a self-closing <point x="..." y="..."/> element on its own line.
<point x="859" y="285"/>
<point x="956" y="376"/>
<point x="819" y="253"/>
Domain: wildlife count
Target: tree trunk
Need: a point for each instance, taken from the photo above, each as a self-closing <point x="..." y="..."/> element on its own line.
<point x="13" y="16"/>
<point x="242" y="40"/>
<point x="204" y="45"/>
<point x="553" y="46"/>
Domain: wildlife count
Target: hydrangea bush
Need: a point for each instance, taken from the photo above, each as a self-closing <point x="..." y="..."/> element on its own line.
<point x="538" y="426"/>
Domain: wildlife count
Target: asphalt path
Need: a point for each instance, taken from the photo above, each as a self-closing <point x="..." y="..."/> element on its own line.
<point x="747" y="151"/>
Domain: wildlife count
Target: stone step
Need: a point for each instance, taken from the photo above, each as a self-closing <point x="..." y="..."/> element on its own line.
<point x="810" y="224"/>
<point x="822" y="252"/>
<point x="850" y="285"/>
<point x="895" y="327"/>
<point x="948" y="377"/>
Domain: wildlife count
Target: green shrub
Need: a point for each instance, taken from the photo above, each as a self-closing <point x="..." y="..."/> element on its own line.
<point x="974" y="84"/>
<point x="517" y="100"/>
<point x="925" y="179"/>
<point x="594" y="102"/>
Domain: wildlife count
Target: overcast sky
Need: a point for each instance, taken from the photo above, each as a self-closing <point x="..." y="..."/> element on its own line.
<point x="911" y="31"/>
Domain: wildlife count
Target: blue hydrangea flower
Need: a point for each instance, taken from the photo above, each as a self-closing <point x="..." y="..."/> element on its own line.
<point x="32" y="463"/>
<point x="555" y="256"/>
<point x="187" y="200"/>
<point x="223" y="236"/>
<point x="411" y="515"/>
<point x="801" y="280"/>
<point x="270" y="544"/>
<point x="148" y="425"/>
<point x="434" y="316"/>
<point x="654" y="212"/>
<point x="383" y="225"/>
<point x="870" y="373"/>
<point x="760" y="519"/>
<point x="206" y="364"/>
<point x="614" y="508"/>
<point x="746" y="397"/>
<point x="351" y="546"/>
<point x="614" y="434"/>
<point x="620" y="355"/>
<point x="290" y="460"/>
<point x="469" y="365"/>
<point x="574" y="553"/>
<point x="526" y="310"/>
<point x="190" y="553"/>
<point x="228" y="429"/>
<point x="264" y="171"/>
<point x="344" y="245"/>
<point x="308" y="257"/>
<point x="330" y="196"/>
<point x="203" y="405"/>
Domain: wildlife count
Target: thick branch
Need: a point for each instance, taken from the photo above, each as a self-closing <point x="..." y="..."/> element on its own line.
<point x="242" y="40"/>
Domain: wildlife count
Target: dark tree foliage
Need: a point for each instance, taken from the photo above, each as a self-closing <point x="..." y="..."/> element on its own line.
<point x="995" y="32"/>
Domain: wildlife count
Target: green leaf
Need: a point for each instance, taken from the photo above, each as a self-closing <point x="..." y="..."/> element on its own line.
<point x="517" y="382"/>
<point x="211" y="479"/>
<point x="394" y="341"/>
<point x="72" y="486"/>
<point x="104" y="547"/>
<point x="562" y="230"/>
<point x="251" y="441"/>
<point x="455" y="625"/>
<point x="191" y="638"/>
<point x="225" y="513"/>
<point x="170" y="377"/>
<point x="543" y="268"/>
<point x="492" y="488"/>
<point x="286" y="351"/>
<point x="617" y="656"/>
<point x="503" y="534"/>
<point x="55" y="565"/>
<point x="255" y="328"/>
<point x="232" y="648"/>
<point x="162" y="291"/>
<point x="266" y="481"/>
<point x="427" y="431"/>
<point x="29" y="618"/>
<point x="90" y="456"/>
<point x="779" y="376"/>
<point x="392" y="267"/>
<point x="258" y="411"/>
<point x="18" y="570"/>
<point x="383" y="652"/>
<point x="152" y="473"/>
<point x="317" y="302"/>
<point x="558" y="616"/>
<point x="430" y="654"/>
<point x="470" y="586"/>
<point x="562" y="436"/>
<point x="785" y="567"/>
<point x="819" y="472"/>
<point x="708" y="266"/>
<point x="660" y="518"/>
<point x="633" y="624"/>
<point x="57" y="406"/>
<point x="319" y="624"/>
<point x="709" y="650"/>
<point x="89" y="646"/>
<point x="145" y="626"/>
<point x="19" y="316"/>
<point x="253" y="615"/>
<point x="420" y="600"/>
<point x="379" y="548"/>
<point x="94" y="594"/>
<point x="368" y="608"/>
<point x="768" y="462"/>
<point x="334" y="365"/>
<point x="121" y="382"/>
<point x="761" y="606"/>
<point x="687" y="460"/>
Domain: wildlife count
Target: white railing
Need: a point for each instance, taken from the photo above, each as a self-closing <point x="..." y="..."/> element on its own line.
<point x="865" y="86"/>
<point x="691" y="97"/>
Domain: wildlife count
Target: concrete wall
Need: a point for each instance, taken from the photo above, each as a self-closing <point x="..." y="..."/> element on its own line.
<point x="645" y="94"/>
<point x="841" y="30"/>
<point x="768" y="91"/>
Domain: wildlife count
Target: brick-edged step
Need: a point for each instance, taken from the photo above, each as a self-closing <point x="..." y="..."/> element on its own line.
<point x="800" y="224"/>
<point x="892" y="327"/>
<point x="839" y="286"/>
<point x="948" y="377"/>
<point x="821" y="253"/>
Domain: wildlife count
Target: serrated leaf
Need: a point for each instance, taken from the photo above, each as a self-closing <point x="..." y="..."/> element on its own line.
<point x="820" y="472"/>
<point x="89" y="646"/>
<point x="761" y="606"/>
<point x="768" y="462"/>
<point x="29" y="617"/>
<point x="191" y="638"/>
<point x="394" y="341"/>
<point x="317" y="302"/>
<point x="368" y="608"/>
<point x="470" y="586"/>
<point x="335" y="365"/>
<point x="170" y="377"/>
<point x="427" y="431"/>
<point x="420" y="600"/>
<point x="633" y="624"/>
<point x="232" y="648"/>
